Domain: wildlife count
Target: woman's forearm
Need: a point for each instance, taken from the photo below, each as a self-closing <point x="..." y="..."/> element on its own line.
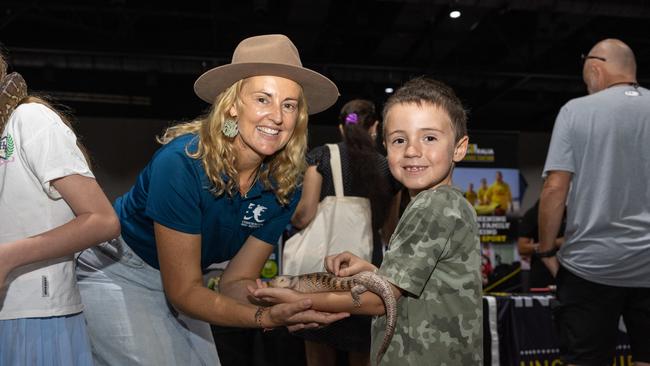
<point x="207" y="305"/>
<point x="238" y="290"/>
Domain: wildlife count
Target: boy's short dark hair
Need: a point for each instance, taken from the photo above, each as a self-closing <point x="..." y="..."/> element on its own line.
<point x="424" y="90"/>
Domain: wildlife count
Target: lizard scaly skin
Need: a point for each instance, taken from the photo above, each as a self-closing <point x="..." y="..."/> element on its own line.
<point x="357" y="284"/>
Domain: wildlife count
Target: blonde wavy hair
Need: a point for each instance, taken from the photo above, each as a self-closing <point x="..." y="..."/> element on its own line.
<point x="285" y="168"/>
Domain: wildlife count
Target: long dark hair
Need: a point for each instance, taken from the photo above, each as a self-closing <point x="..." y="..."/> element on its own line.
<point x="356" y="118"/>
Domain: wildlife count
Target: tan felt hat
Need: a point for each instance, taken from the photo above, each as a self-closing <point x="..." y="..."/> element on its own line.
<point x="272" y="54"/>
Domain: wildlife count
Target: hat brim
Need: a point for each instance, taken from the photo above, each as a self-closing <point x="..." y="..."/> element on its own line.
<point x="320" y="92"/>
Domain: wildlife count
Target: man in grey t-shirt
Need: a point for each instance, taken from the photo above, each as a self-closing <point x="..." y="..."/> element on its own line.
<point x="598" y="164"/>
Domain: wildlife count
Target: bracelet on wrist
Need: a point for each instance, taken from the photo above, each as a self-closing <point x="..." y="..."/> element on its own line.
<point x="547" y="253"/>
<point x="259" y="313"/>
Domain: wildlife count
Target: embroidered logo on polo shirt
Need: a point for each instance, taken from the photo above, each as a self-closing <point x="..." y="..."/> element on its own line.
<point x="253" y="215"/>
<point x="6" y="147"/>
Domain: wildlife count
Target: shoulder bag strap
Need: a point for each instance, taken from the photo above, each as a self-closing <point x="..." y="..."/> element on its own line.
<point x="335" y="164"/>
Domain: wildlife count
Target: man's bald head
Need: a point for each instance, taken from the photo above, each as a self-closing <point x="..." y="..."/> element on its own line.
<point x="618" y="66"/>
<point x="620" y="57"/>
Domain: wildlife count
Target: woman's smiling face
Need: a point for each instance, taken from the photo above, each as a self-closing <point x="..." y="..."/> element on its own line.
<point x="267" y="113"/>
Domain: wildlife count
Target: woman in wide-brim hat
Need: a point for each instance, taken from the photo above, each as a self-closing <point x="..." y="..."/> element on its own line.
<point x="222" y="187"/>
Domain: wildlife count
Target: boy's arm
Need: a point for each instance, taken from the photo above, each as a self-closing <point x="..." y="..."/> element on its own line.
<point x="340" y="301"/>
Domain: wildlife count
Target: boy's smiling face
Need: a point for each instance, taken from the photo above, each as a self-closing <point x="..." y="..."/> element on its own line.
<point x="421" y="145"/>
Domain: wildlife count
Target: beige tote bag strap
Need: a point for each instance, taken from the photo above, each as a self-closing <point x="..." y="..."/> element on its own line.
<point x="335" y="164"/>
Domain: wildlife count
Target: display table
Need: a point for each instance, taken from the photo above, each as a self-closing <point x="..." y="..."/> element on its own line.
<point x="519" y="331"/>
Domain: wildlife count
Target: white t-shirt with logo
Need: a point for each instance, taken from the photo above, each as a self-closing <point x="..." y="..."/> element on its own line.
<point x="36" y="147"/>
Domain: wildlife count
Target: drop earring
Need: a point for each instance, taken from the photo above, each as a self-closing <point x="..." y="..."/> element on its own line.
<point x="229" y="128"/>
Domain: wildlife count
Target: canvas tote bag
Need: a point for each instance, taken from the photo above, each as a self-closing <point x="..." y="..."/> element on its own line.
<point x="341" y="223"/>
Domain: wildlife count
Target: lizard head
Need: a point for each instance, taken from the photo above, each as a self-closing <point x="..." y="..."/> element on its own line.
<point x="283" y="281"/>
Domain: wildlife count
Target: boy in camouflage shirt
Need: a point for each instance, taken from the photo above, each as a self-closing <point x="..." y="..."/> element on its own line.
<point x="433" y="260"/>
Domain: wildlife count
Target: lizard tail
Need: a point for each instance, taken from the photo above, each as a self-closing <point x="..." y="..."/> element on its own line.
<point x="391" y="322"/>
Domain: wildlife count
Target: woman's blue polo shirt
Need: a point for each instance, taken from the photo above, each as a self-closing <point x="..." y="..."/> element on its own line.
<point x="174" y="191"/>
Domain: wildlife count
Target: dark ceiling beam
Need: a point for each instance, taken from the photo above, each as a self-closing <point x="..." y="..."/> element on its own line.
<point x="506" y="41"/>
<point x="15" y="12"/>
<point x="215" y="26"/>
<point x="529" y="52"/>
<point x="182" y="65"/>
<point x="558" y="34"/>
<point x="507" y="88"/>
<point x="624" y="8"/>
<point x="436" y="15"/>
<point x="462" y="39"/>
<point x="82" y="60"/>
<point x="71" y="23"/>
<point x="62" y="7"/>
<point x="497" y="82"/>
<point x="307" y="16"/>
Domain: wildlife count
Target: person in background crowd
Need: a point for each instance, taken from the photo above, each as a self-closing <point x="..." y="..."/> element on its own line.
<point x="471" y="195"/>
<point x="538" y="275"/>
<point x="50" y="207"/>
<point x="499" y="195"/>
<point x="222" y="187"/>
<point x="597" y="163"/>
<point x="486" y="269"/>
<point x="365" y="173"/>
<point x="482" y="191"/>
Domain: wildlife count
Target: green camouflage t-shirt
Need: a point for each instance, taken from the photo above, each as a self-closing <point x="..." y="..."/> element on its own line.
<point x="435" y="257"/>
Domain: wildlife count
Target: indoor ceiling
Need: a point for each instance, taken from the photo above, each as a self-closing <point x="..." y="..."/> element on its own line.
<point x="514" y="63"/>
